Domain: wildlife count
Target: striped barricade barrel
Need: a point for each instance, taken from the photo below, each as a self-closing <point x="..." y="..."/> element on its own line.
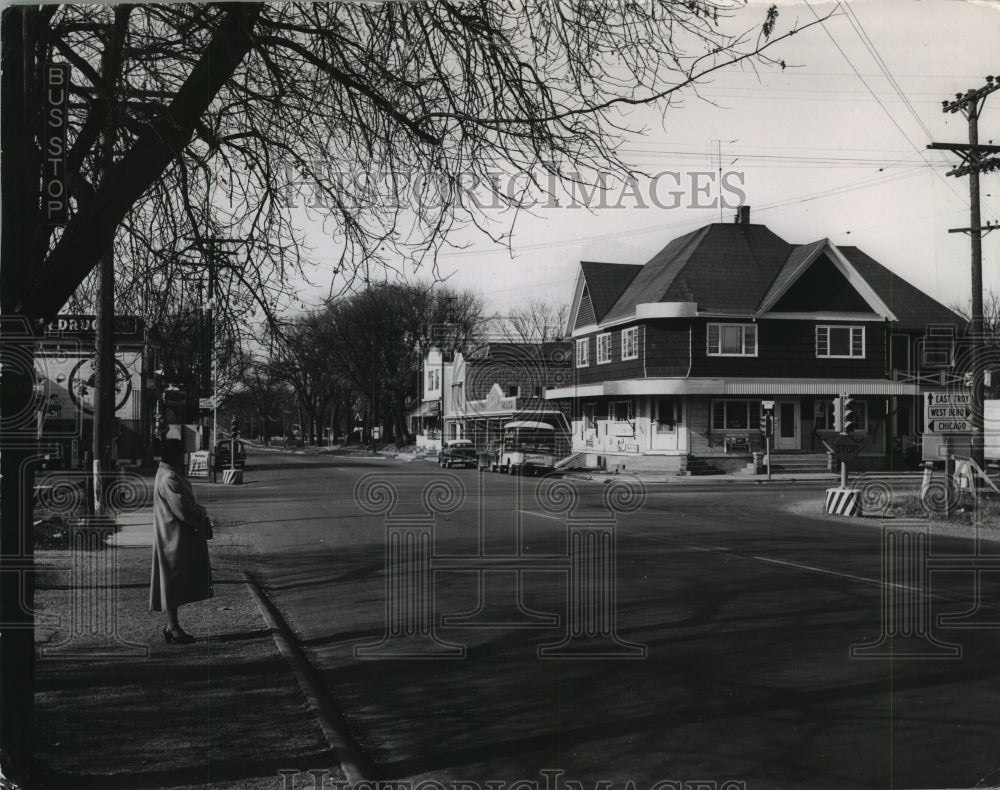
<point x="843" y="501"/>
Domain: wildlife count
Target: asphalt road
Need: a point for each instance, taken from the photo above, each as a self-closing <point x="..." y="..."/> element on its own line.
<point x="677" y="634"/>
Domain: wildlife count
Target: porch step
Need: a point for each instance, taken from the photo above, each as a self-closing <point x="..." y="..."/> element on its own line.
<point x="811" y="462"/>
<point x="699" y="466"/>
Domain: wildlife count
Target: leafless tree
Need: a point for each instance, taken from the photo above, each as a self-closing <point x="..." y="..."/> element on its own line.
<point x="536" y="321"/>
<point x="390" y="121"/>
<point x="991" y="314"/>
<point x="306" y="360"/>
<point x="379" y="336"/>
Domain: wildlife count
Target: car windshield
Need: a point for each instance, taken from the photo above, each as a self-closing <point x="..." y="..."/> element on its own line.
<point x="530" y="441"/>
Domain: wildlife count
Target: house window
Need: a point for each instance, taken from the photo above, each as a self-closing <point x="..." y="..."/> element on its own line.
<point x="860" y="409"/>
<point x="823" y="415"/>
<point x="728" y="415"/>
<point x="512" y="390"/>
<point x="732" y="340"/>
<point x="666" y="415"/>
<point x="604" y="348"/>
<point x="589" y="416"/>
<point x="622" y="411"/>
<point x="845" y="342"/>
<point x="938" y="347"/>
<point x="582" y="353"/>
<point x="630" y="343"/>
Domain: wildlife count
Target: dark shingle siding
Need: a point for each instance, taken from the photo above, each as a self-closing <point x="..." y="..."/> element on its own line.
<point x="796" y="259"/>
<point x="821" y="287"/>
<point x="585" y="315"/>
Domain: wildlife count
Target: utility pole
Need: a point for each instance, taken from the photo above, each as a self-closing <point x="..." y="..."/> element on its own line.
<point x="975" y="160"/>
<point x="210" y="372"/>
<point x="104" y="356"/>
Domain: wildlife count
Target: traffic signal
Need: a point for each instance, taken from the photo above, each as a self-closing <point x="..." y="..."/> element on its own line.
<point x="838" y="415"/>
<point x="849" y="421"/>
<point x="767" y="423"/>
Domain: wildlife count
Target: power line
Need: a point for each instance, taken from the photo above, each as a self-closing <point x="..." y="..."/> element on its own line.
<point x="885" y="109"/>
<point x="866" y="40"/>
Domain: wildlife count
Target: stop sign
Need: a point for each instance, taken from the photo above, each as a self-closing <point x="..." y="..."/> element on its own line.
<point x="846" y="448"/>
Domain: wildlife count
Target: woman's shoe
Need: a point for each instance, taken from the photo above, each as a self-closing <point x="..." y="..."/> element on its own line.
<point x="180" y="639"/>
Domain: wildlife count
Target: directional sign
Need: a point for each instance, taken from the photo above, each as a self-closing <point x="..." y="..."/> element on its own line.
<point x="949" y="426"/>
<point x="949" y="398"/>
<point x="949" y="412"/>
<point x="206" y="403"/>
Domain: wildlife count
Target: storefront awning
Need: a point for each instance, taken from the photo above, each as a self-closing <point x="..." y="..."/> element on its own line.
<point x="717" y="386"/>
<point x="819" y="387"/>
<point x="430" y="408"/>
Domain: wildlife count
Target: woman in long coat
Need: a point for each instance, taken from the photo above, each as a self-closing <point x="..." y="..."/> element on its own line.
<point x="181" y="571"/>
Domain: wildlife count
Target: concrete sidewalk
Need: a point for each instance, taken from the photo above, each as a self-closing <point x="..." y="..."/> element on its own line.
<point x="117" y="707"/>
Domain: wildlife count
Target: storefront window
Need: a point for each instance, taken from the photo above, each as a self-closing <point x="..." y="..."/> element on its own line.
<point x="623" y="411"/>
<point x="735" y="415"/>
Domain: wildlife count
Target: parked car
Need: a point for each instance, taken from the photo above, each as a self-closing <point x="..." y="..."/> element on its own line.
<point x="222" y="450"/>
<point x="458" y="452"/>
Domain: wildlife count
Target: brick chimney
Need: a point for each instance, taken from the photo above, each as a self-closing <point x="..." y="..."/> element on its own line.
<point x="743" y="215"/>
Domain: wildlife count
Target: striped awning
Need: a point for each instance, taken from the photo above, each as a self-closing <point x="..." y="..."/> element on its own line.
<point x="735" y="386"/>
<point x="819" y="387"/>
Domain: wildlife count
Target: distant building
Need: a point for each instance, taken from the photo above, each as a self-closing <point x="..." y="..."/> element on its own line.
<point x="471" y="395"/>
<point x="673" y="359"/>
<point x="426" y="420"/>
<point x="497" y="383"/>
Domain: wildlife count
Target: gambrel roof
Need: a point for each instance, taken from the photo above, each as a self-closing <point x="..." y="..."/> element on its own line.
<point x="746" y="270"/>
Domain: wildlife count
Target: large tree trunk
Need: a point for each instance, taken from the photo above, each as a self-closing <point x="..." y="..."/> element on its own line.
<point x="17" y="588"/>
<point x="20" y="185"/>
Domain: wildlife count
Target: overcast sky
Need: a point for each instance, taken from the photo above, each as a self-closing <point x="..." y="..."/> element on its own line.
<point x="832" y="146"/>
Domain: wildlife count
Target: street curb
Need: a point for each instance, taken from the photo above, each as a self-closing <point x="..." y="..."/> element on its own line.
<point x="353" y="763"/>
<point x="708" y="481"/>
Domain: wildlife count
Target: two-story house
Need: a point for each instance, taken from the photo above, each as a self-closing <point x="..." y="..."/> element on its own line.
<point x="426" y="420"/>
<point x="498" y="382"/>
<point x="674" y="359"/>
